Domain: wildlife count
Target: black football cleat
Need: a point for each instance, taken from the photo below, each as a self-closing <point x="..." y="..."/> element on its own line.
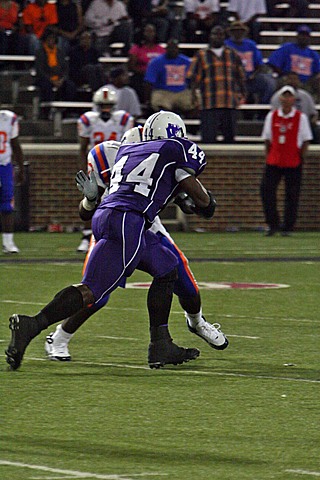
<point x="23" y="330"/>
<point x="165" y="352"/>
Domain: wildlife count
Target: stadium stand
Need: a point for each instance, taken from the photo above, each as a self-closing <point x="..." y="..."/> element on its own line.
<point x="19" y="93"/>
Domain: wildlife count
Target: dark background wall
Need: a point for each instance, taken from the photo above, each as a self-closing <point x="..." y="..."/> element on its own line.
<point x="233" y="174"/>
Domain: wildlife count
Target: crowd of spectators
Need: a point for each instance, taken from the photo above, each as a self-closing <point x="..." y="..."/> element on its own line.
<point x="67" y="38"/>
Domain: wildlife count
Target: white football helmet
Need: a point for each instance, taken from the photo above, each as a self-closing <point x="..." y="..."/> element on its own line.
<point x="164" y="125"/>
<point x="133" y="135"/>
<point x="105" y="96"/>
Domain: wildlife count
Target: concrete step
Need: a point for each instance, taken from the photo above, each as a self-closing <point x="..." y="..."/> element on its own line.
<point x="38" y="128"/>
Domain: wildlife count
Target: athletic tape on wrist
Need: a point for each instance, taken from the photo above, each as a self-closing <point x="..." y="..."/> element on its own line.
<point x="87" y="205"/>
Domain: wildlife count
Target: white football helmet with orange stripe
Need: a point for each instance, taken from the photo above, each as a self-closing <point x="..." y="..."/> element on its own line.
<point x="105" y="96"/>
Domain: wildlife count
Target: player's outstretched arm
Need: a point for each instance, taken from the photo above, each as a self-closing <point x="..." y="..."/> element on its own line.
<point x="204" y="202"/>
<point x="89" y="187"/>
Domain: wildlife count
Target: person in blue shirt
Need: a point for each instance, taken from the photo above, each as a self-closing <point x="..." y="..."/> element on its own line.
<point x="166" y="81"/>
<point x="298" y="57"/>
<point x="260" y="81"/>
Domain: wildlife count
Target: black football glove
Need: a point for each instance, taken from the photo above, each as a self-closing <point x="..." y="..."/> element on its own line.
<point x="206" y="212"/>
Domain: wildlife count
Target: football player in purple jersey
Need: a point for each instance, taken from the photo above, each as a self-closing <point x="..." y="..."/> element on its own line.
<point x="101" y="161"/>
<point x="144" y="179"/>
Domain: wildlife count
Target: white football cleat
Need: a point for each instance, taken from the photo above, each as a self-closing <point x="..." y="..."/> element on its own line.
<point x="10" y="248"/>
<point x="210" y="333"/>
<point x="84" y="246"/>
<point x="56" y="348"/>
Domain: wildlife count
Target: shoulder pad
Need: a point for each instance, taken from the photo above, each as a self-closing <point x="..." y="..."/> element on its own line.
<point x="121" y="117"/>
<point x="89" y="118"/>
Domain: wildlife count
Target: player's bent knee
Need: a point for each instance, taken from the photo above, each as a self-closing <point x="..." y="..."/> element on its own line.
<point x="169" y="277"/>
<point x="86" y="294"/>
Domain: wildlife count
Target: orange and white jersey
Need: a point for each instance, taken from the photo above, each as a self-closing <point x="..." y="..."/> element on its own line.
<point x="91" y="126"/>
<point x="9" y="129"/>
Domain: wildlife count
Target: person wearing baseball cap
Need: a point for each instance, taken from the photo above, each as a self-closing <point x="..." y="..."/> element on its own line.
<point x="287" y="89"/>
<point x="303" y="102"/>
<point x="287" y="134"/>
<point x="259" y="80"/>
<point x="304" y="29"/>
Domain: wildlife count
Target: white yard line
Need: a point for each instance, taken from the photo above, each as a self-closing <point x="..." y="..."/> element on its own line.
<point x="118" y="338"/>
<point x="77" y="474"/>
<point x="18" y="302"/>
<point x="181" y="371"/>
<point x="244" y="336"/>
<point x="303" y="472"/>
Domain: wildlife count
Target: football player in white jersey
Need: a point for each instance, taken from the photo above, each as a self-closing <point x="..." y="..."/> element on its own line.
<point x="101" y="161"/>
<point x="97" y="126"/>
<point x="10" y="149"/>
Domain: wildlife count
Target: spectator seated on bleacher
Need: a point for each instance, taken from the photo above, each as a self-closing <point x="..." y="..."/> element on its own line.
<point x="138" y="11"/>
<point x="52" y="71"/>
<point x="9" y="31"/>
<point x="247" y="11"/>
<point x="37" y="17"/>
<point x="201" y="16"/>
<point x="127" y="98"/>
<point x="166" y="81"/>
<point x="303" y="102"/>
<point x="140" y="55"/>
<point x="260" y="82"/>
<point x="298" y="57"/>
<point x="84" y="66"/>
<point x="109" y="22"/>
<point x="157" y="12"/>
<point x="70" y="24"/>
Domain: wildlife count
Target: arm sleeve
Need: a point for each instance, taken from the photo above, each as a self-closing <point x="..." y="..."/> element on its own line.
<point x="15" y="127"/>
<point x="181" y="174"/>
<point x="194" y="72"/>
<point x="305" y="133"/>
<point x="26" y="15"/>
<point x="276" y="58"/>
<point x="151" y="72"/>
<point x="53" y="15"/>
<point x="266" y="132"/>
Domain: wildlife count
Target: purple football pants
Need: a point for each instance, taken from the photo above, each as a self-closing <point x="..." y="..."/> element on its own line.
<point x="123" y="245"/>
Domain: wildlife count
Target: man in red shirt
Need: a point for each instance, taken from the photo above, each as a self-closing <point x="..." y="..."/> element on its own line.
<point x="287" y="134"/>
<point x="37" y="17"/>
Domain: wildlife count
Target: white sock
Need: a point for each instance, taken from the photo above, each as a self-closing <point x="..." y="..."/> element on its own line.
<point x="7" y="238"/>
<point x="194" y="318"/>
<point x="61" y="336"/>
<point x="86" y="232"/>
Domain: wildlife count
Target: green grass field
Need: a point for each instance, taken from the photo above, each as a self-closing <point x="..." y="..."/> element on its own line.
<point x="250" y="412"/>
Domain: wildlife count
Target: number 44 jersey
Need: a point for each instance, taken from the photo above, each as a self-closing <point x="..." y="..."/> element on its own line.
<point x="146" y="175"/>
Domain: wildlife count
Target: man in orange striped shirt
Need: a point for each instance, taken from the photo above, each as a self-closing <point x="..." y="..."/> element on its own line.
<point x="218" y="72"/>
